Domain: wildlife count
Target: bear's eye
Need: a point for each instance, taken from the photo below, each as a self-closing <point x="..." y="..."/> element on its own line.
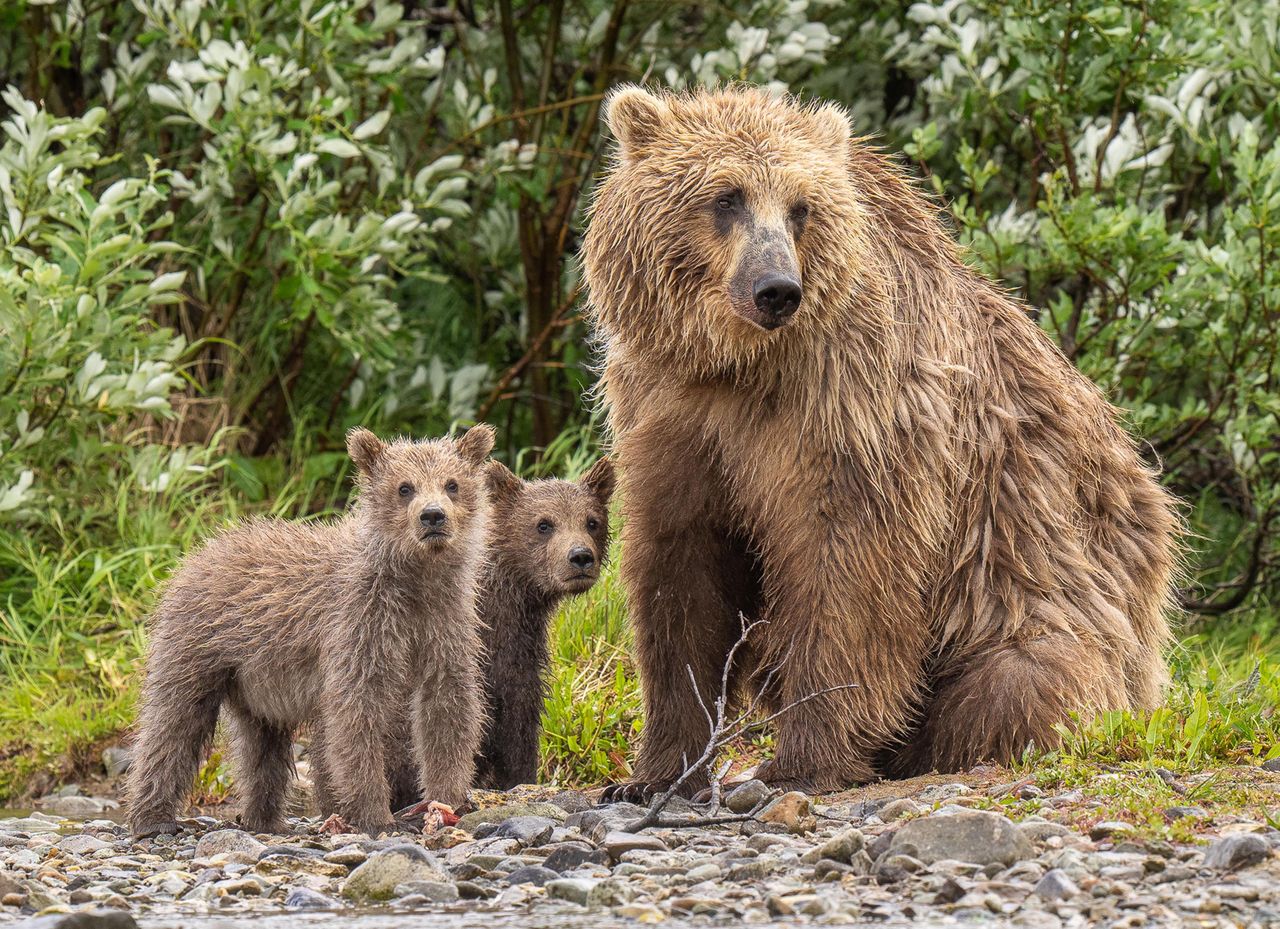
<point x="545" y="526"/>
<point x="406" y="490"/>
<point x="451" y="487"/>
<point x="593" y="524"/>
<point x="728" y="202"/>
<point x="799" y="213"/>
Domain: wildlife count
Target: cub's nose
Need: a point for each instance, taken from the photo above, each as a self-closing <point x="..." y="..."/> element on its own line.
<point x="432" y="517"/>
<point x="581" y="558"/>
<point x="777" y="295"/>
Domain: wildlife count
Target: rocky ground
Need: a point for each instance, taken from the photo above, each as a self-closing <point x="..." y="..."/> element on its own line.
<point x="923" y="851"/>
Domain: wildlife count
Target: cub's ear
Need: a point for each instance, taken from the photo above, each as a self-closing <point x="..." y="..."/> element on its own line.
<point x="832" y="126"/>
<point x="600" y="480"/>
<point x="502" y="483"/>
<point x="476" y="443"/>
<point x="635" y="117"/>
<point x="364" y="448"/>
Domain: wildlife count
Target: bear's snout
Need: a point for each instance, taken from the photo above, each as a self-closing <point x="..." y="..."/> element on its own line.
<point x="777" y="296"/>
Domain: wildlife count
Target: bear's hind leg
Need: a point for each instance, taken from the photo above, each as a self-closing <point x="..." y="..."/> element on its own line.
<point x="176" y="725"/>
<point x="264" y="768"/>
<point x="1001" y="701"/>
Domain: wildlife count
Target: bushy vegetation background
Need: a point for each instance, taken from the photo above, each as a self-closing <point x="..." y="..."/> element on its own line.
<point x="232" y="230"/>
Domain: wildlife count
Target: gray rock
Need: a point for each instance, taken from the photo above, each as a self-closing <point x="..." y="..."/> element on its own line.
<point x="841" y="847"/>
<point x="896" y="867"/>
<point x="1272" y="764"/>
<point x="571" y="801"/>
<point x="116" y="760"/>
<point x="229" y="842"/>
<point x="304" y="898"/>
<point x="1236" y="851"/>
<point x="1110" y="829"/>
<point x="527" y="830"/>
<point x="31" y="825"/>
<point x="77" y="806"/>
<point x="935" y="792"/>
<point x="500" y="814"/>
<point x="973" y="836"/>
<point x="618" y="844"/>
<point x="85" y="919"/>
<point x="747" y="796"/>
<point x="896" y="809"/>
<point x="572" y="855"/>
<point x="609" y="893"/>
<point x="289" y="851"/>
<point x="535" y="874"/>
<point x="1055" y="885"/>
<point x="378" y="878"/>
<point x="428" y="891"/>
<point x="1174" y="813"/>
<point x="82" y="844"/>
<point x="573" y="889"/>
<point x="349" y="855"/>
<point x="1039" y="830"/>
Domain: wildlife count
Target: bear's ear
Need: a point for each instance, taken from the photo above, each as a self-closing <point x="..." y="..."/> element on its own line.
<point x="476" y="443"/>
<point x="365" y="448"/>
<point x="635" y="117"/>
<point x="503" y="485"/>
<point x="832" y="126"/>
<point x="600" y="480"/>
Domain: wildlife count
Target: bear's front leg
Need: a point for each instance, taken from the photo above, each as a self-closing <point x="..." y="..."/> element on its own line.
<point x="448" y="724"/>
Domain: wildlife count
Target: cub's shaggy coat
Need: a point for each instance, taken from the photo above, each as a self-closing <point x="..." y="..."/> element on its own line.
<point x="826" y="420"/>
<point x="349" y="626"/>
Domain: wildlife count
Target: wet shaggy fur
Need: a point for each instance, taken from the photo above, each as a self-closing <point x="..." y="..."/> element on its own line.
<point x="353" y="627"/>
<point x="549" y="541"/>
<point x="905" y="479"/>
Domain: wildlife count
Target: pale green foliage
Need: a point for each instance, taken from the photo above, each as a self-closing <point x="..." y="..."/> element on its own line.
<point x="80" y="361"/>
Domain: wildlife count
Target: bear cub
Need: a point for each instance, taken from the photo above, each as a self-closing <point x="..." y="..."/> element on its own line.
<point x="362" y="627"/>
<point x="549" y="541"/>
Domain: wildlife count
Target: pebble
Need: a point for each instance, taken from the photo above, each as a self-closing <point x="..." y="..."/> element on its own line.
<point x="617" y="844"/>
<point x="1236" y="851"/>
<point x="527" y="830"/>
<point x="378" y="877"/>
<point x="970" y="835"/>
<point x="1055" y="886"/>
<point x="573" y="889"/>
<point x="896" y="809"/>
<point x="229" y="842"/>
<point x="570" y="855"/>
<point x="747" y="796"/>
<point x="841" y="847"/>
<point x="532" y="874"/>
<point x="1110" y="829"/>
<point x="304" y="898"/>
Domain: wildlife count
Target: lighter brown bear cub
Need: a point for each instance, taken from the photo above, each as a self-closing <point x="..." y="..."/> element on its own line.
<point x="348" y="626"/>
<point x="825" y="420"/>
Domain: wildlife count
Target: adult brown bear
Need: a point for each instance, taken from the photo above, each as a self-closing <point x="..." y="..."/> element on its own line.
<point x="827" y="421"/>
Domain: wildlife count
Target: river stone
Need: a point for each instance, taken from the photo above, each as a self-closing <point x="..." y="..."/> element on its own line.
<point x="1110" y="829"/>
<point x="429" y="891"/>
<point x="971" y="835"/>
<point x="116" y="760"/>
<point x="841" y="847"/>
<point x="571" y="801"/>
<point x="1236" y="851"/>
<point x="618" y="844"/>
<point x="572" y="855"/>
<point x="1038" y="830"/>
<point x="792" y="811"/>
<point x="573" y="889"/>
<point x="500" y="814"/>
<point x="304" y="898"/>
<point x="1055" y="885"/>
<point x="32" y="825"/>
<point x="747" y="796"/>
<point x="85" y="919"/>
<point x="378" y="877"/>
<point x="82" y="844"/>
<point x="229" y="842"/>
<point x="78" y="806"/>
<point x="533" y="874"/>
<point x="349" y="855"/>
<point x="527" y="830"/>
<point x="896" y="809"/>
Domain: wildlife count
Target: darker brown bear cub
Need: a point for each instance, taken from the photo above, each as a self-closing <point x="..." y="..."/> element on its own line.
<point x="549" y="541"/>
<point x="349" y="626"/>
<point x="826" y="420"/>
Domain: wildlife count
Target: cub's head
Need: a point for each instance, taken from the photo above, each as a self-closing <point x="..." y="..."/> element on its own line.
<point x="555" y="534"/>
<point x="424" y="497"/>
<point x="727" y="222"/>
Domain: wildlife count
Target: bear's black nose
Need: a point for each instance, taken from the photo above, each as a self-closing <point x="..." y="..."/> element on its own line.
<point x="777" y="295"/>
<point x="581" y="558"/>
<point x="432" y="517"/>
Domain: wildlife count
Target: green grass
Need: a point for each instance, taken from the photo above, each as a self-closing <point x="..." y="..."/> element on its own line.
<point x="72" y="613"/>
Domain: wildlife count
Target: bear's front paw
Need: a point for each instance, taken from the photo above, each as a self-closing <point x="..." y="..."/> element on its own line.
<point x="633" y="791"/>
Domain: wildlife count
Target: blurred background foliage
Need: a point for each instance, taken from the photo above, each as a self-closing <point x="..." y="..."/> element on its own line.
<point x="232" y="230"/>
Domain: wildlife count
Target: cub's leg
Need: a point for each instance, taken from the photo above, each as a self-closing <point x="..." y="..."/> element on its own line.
<point x="357" y="731"/>
<point x="264" y="768"/>
<point x="402" y="772"/>
<point x="448" y="722"/>
<point x="1003" y="699"/>
<point x="321" y="776"/>
<point x="515" y="697"/>
<point x="176" y="723"/>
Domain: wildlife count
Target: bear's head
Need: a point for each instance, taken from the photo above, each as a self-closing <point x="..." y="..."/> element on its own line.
<point x="552" y="535"/>
<point x="728" y="222"/>
<point x="423" y="498"/>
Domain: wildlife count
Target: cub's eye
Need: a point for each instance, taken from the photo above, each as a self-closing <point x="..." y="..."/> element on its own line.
<point x="799" y="213"/>
<point x="451" y="487"/>
<point x="593" y="524"/>
<point x="544" y="526"/>
<point x="406" y="490"/>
